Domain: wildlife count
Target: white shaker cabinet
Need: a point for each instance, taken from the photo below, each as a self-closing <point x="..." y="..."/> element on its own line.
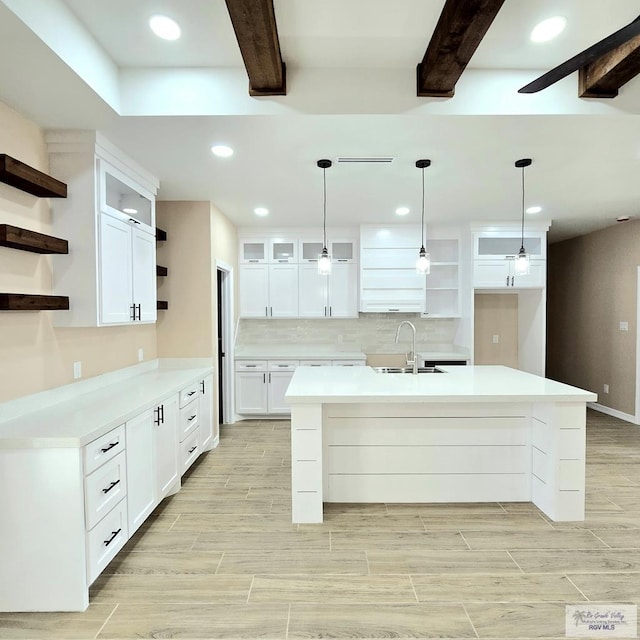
<point x="261" y="386"/>
<point x="328" y="296"/>
<point x="165" y="437"/>
<point x="269" y="290"/>
<point x="109" y="220"/>
<point x="207" y="426"/>
<point x="500" y="274"/>
<point x="141" y="476"/>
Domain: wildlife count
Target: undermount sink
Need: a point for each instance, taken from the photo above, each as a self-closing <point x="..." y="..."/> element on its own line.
<point x="407" y="370"/>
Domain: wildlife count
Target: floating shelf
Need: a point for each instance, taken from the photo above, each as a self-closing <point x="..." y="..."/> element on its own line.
<point x="26" y="240"/>
<point x="161" y="271"/>
<point x="26" y="178"/>
<point x="162" y="305"/>
<point x="28" y="302"/>
<point x="161" y="235"/>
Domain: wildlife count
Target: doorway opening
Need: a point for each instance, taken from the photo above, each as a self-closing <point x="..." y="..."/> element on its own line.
<point x="224" y="341"/>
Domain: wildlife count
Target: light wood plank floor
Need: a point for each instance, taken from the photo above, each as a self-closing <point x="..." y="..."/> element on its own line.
<point x="221" y="559"/>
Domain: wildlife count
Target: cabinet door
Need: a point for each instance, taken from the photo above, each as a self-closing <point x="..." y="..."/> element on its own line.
<point x="254" y="291"/>
<point x="312" y="290"/>
<point x="166" y="445"/>
<point x="115" y="271"/>
<point x="278" y="383"/>
<point x="207" y="427"/>
<point x="283" y="290"/>
<point x="141" y="476"/>
<point x="144" y="275"/>
<point x="343" y="290"/>
<point x="251" y="392"/>
<point x="493" y="274"/>
<point x="253" y="251"/>
<point x="535" y="279"/>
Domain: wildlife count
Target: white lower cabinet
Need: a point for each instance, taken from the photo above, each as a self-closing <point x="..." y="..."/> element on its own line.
<point x="106" y="539"/>
<point x="207" y="427"/>
<point x="141" y="480"/>
<point x="189" y="426"/>
<point x="261" y="386"/>
<point x="165" y="437"/>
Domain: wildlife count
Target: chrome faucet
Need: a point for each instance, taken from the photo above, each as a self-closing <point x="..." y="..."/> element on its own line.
<point x="412" y="358"/>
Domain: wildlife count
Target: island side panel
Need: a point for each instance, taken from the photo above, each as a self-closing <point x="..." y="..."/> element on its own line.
<point x="559" y="460"/>
<point x="388" y="452"/>
<point x="306" y="463"/>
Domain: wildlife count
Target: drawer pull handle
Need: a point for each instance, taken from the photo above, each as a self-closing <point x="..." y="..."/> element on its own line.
<point x="250" y="366"/>
<point x="193" y="449"/>
<point x="113" y="444"/>
<point x="112" y="538"/>
<point x="191" y="393"/>
<point x="193" y="417"/>
<point x="113" y="484"/>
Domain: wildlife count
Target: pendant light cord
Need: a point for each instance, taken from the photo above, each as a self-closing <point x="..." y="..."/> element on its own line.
<point x="422" y="224"/>
<point x="522" y="229"/>
<point x="324" y="215"/>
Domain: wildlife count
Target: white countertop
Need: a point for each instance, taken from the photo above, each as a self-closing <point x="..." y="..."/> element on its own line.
<point x="458" y="384"/>
<point x="297" y="352"/>
<point x="81" y="417"/>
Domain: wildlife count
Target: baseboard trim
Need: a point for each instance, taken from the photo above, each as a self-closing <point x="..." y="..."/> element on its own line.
<point x="612" y="412"/>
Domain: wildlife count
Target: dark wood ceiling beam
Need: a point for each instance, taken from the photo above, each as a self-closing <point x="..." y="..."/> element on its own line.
<point x="460" y="29"/>
<point x="603" y="77"/>
<point x="254" y="23"/>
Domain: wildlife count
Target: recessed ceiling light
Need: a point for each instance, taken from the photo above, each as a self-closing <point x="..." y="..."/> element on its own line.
<point x="548" y="29"/>
<point x="535" y="209"/>
<point x="129" y="210"/>
<point x="221" y="150"/>
<point x="261" y="211"/>
<point x="164" y="27"/>
<point x="402" y="211"/>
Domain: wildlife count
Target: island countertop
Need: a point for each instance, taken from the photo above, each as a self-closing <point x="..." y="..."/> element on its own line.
<point x="456" y="384"/>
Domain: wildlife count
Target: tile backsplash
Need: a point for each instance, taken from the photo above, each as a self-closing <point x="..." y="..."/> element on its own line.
<point x="370" y="333"/>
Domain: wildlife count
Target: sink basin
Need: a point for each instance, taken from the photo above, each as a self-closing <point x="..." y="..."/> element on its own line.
<point x="407" y="370"/>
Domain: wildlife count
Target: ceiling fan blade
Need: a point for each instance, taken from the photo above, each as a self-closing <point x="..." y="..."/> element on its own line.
<point x="584" y="58"/>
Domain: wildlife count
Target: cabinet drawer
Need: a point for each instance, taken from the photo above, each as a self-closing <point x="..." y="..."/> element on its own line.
<point x="103" y="449"/>
<point x="315" y="363"/>
<point x="189" y="419"/>
<point x="190" y="450"/>
<point x="103" y="489"/>
<point x="251" y="365"/>
<point x="282" y="365"/>
<point x="348" y="363"/>
<point x="188" y="394"/>
<point x="106" y="539"/>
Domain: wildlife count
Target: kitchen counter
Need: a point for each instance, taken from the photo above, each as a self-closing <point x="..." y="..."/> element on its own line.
<point x="76" y="414"/>
<point x="297" y="352"/>
<point x="470" y="434"/>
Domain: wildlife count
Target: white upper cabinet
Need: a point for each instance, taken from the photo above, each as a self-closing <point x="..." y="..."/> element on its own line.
<point x="443" y="281"/>
<point x="109" y="220"/>
<point x="279" y="276"/>
<point x="494" y="253"/>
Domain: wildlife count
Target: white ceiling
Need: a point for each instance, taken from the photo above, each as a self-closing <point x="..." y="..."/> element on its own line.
<point x="351" y="80"/>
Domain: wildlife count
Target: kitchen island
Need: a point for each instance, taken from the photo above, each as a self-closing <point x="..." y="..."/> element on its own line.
<point x="469" y="434"/>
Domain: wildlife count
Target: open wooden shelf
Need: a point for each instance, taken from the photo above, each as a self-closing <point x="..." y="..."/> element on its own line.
<point x="161" y="271"/>
<point x="161" y="235"/>
<point x="29" y="302"/>
<point x="26" y="240"/>
<point x="162" y="305"/>
<point x="26" y="178"/>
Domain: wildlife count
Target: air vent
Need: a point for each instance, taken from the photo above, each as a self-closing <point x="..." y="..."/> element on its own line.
<point x="366" y="159"/>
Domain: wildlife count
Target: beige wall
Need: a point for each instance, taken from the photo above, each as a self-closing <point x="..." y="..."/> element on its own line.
<point x="591" y="289"/>
<point x="185" y="328"/>
<point x="224" y="247"/>
<point x="33" y="354"/>
<point x="496" y="314"/>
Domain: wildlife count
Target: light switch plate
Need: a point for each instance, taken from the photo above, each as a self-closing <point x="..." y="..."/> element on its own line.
<point x="140" y="354"/>
<point x="624" y="326"/>
<point x="77" y="370"/>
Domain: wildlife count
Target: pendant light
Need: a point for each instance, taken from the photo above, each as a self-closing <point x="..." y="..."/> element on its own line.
<point x="423" y="263"/>
<point x="522" y="259"/>
<point x="324" y="259"/>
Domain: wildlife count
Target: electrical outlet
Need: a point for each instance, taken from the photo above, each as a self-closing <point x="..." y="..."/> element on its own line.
<point x="496" y="338"/>
<point x="624" y="326"/>
<point x="140" y="354"/>
<point x="77" y="370"/>
<point x="606" y="388"/>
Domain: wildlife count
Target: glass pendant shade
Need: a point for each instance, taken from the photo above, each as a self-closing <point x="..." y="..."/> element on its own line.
<point x="324" y="262"/>
<point x="423" y="263"/>
<point x="522" y="263"/>
<point x="522" y="259"/>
